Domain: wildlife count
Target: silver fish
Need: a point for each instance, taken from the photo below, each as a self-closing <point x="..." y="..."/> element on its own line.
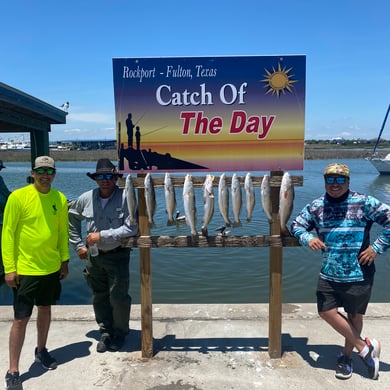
<point x="286" y="202"/>
<point x="266" y="197"/>
<point x="131" y="199"/>
<point x="236" y="199"/>
<point x="170" y="198"/>
<point x="249" y="196"/>
<point x="150" y="198"/>
<point x="189" y="204"/>
<point x="223" y="199"/>
<point x="208" y="203"/>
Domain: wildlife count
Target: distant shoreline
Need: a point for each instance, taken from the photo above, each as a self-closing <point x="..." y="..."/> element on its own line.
<point x="311" y="153"/>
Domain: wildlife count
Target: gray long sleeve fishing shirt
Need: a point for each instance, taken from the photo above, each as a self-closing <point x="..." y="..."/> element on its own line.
<point x="112" y="220"/>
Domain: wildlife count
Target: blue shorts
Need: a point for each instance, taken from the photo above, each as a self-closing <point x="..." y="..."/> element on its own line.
<point x="353" y="297"/>
<point x="42" y="290"/>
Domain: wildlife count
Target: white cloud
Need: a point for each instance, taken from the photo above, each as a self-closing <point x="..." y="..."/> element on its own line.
<point x="91" y="117"/>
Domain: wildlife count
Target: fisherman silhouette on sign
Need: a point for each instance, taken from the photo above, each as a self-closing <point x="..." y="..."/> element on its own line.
<point x="138" y="137"/>
<point x="130" y="131"/>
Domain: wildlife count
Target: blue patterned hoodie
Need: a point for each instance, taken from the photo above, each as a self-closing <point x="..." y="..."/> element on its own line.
<point x="344" y="224"/>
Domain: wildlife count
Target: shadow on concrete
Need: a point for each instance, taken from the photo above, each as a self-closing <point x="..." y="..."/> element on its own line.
<point x="316" y="355"/>
<point x="63" y="355"/>
<point x="132" y="343"/>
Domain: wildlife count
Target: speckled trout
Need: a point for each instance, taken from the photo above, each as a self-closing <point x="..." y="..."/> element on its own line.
<point x="223" y="199"/>
<point x="236" y="199"/>
<point x="286" y="202"/>
<point x="170" y="199"/>
<point x="208" y="203"/>
<point x="189" y="204"/>
<point x="150" y="198"/>
<point x="131" y="199"/>
<point x="266" y="197"/>
<point x="249" y="196"/>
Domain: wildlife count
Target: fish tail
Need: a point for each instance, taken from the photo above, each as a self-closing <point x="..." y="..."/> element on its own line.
<point x="285" y="232"/>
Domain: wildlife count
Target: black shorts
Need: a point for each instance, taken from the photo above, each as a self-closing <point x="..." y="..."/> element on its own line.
<point x="42" y="290"/>
<point x="353" y="297"/>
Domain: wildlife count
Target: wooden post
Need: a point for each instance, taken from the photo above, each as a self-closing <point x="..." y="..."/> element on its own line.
<point x="146" y="280"/>
<point x="275" y="281"/>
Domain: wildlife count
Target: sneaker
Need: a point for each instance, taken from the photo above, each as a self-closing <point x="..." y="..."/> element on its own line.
<point x="117" y="343"/>
<point x="45" y="359"/>
<point x="12" y="381"/>
<point x="344" y="367"/>
<point x="371" y="360"/>
<point x="104" y="343"/>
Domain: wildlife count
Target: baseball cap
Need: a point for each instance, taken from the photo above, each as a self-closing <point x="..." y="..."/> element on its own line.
<point x="337" y="169"/>
<point x="44" y="161"/>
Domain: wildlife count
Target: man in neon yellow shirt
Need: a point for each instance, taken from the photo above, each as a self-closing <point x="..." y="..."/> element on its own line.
<point x="35" y="255"/>
<point x="4" y="194"/>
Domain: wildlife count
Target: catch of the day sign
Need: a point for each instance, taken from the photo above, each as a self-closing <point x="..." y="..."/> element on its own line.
<point x="230" y="200"/>
<point x="216" y="114"/>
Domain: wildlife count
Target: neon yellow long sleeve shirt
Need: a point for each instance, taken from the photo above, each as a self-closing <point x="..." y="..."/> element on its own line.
<point x="35" y="232"/>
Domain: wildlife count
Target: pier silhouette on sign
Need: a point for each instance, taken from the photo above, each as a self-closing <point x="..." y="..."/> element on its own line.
<point x="147" y="160"/>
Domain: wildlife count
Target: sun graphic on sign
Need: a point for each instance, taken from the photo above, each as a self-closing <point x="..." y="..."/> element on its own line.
<point x="278" y="81"/>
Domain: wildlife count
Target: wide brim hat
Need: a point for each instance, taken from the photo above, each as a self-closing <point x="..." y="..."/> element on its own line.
<point x="103" y="166"/>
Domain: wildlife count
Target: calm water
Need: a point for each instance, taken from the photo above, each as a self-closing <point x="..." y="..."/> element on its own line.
<point x="216" y="275"/>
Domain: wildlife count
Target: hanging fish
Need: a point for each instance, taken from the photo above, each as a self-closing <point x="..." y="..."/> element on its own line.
<point x="131" y="199"/>
<point x="236" y="199"/>
<point x="208" y="203"/>
<point x="249" y="196"/>
<point x="266" y="197"/>
<point x="223" y="199"/>
<point x="286" y="202"/>
<point x="189" y="204"/>
<point x="170" y="199"/>
<point x="150" y="198"/>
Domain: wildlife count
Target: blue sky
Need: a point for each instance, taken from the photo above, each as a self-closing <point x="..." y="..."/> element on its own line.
<point x="62" y="51"/>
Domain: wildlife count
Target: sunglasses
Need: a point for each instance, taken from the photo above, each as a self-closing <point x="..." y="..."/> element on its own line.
<point x="337" y="180"/>
<point x="48" y="171"/>
<point x="106" y="176"/>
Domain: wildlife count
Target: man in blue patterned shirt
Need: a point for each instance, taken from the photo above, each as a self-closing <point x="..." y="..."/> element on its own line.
<point x="338" y="223"/>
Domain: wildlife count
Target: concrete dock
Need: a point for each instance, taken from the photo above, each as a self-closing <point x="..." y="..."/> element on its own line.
<point x="198" y="347"/>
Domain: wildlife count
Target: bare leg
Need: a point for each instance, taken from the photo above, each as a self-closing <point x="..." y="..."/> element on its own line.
<point x="43" y="325"/>
<point x="350" y="329"/>
<point x="356" y="321"/>
<point x="16" y="341"/>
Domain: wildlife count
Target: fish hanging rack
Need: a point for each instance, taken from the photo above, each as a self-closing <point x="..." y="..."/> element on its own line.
<point x="275" y="242"/>
<point x="219" y="240"/>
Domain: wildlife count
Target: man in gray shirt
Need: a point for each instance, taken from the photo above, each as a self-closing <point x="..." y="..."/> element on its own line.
<point x="107" y="268"/>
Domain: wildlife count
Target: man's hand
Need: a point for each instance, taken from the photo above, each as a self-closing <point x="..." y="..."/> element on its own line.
<point x="316" y="244"/>
<point x="93" y="238"/>
<point x="83" y="253"/>
<point x="12" y="279"/>
<point x="64" y="270"/>
<point x="367" y="256"/>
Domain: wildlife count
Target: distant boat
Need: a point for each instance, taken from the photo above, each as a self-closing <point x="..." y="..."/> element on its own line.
<point x="382" y="165"/>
